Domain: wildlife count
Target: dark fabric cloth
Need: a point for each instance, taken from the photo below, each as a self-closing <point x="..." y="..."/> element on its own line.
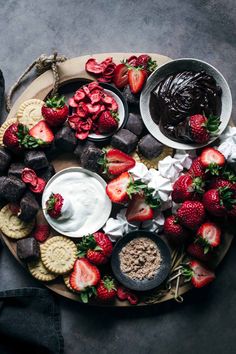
<point x="2" y="90"/>
<point x="29" y="322"/>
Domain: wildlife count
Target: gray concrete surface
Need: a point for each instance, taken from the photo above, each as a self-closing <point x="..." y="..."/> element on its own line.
<point x="206" y="321"/>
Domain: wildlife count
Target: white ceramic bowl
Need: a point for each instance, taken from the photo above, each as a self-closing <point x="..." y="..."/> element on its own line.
<point x="173" y="67"/>
<point x="80" y="200"/>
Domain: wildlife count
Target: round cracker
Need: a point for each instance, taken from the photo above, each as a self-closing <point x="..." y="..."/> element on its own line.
<point x="59" y="254"/>
<point x="12" y="226"/>
<point x="30" y="112"/>
<point x="38" y="270"/>
<point x="66" y="279"/>
<point x="153" y="163"/>
<point x="4" y="127"/>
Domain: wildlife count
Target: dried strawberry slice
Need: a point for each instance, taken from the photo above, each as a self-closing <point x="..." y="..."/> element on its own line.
<point x="29" y="176"/>
<point x="41" y="183"/>
<point x="79" y="95"/>
<point x="82" y="135"/>
<point x="107" y="61"/>
<point x="93" y="108"/>
<point x="74" y="120"/>
<point x="72" y="103"/>
<point x="103" y="79"/>
<point x="93" y="67"/>
<point x="132" y="298"/>
<point x="122" y="293"/>
<point x="132" y="60"/>
<point x="114" y="105"/>
<point x="86" y="90"/>
<point x="93" y="86"/>
<point x="95" y="96"/>
<point x="82" y="110"/>
<point x="107" y="99"/>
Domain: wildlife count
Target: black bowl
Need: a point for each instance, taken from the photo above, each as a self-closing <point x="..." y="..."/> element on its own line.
<point x="68" y="89"/>
<point x="146" y="284"/>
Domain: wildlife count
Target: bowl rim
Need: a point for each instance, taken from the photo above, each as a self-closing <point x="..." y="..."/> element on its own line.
<point x="76" y="169"/>
<point x="146" y="284"/>
<point x="150" y="124"/>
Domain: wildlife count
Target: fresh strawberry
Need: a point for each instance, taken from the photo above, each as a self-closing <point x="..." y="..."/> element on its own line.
<point x="219" y="182"/>
<point x="137" y="78"/>
<point x="108" y="122"/>
<point x="139" y="209"/>
<point x="54" y="205"/>
<point x="132" y="298"/>
<point x="173" y="229"/>
<point x="117" y="188"/>
<point x="197" y="251"/>
<point x="209" y="235"/>
<point x="146" y="62"/>
<point x="218" y="201"/>
<point x="202" y="128"/>
<point x="187" y="188"/>
<point x="42" y="133"/>
<point x="196" y="169"/>
<point x="103" y="242"/>
<point x="212" y="160"/>
<point x="198" y="274"/>
<point x="55" y="111"/>
<point x="115" y="162"/>
<point x="14" y="136"/>
<point x="191" y="214"/>
<point x="120" y="78"/>
<point x="41" y="232"/>
<point x="38" y="188"/>
<point x="106" y="289"/>
<point x="84" y="278"/>
<point x="97" y="248"/>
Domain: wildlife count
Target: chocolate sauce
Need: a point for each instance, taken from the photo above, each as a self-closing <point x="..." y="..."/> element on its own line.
<point x="181" y="95"/>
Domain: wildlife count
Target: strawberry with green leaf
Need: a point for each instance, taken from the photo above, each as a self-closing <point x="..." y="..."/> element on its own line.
<point x="202" y="128"/>
<point x="108" y="122"/>
<point x="209" y="236"/>
<point x="55" y="111"/>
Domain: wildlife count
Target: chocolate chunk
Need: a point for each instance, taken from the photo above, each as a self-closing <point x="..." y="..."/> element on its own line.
<point x="124" y="140"/>
<point x="47" y="173"/>
<point x="51" y="151"/>
<point x="5" y="160"/>
<point x="90" y="157"/>
<point x="65" y="139"/>
<point x="28" y="249"/>
<point x="2" y="90"/>
<point x="14" y="189"/>
<point x="3" y="180"/>
<point x="149" y="147"/>
<point x="16" y="169"/>
<point x="130" y="97"/>
<point x="36" y="160"/>
<point x="135" y="124"/>
<point x="81" y="146"/>
<point x="28" y="207"/>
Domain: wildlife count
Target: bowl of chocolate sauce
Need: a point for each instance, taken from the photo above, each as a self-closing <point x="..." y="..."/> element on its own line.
<point x="179" y="89"/>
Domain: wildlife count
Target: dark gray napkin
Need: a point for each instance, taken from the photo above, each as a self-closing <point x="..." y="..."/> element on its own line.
<point x="29" y="322"/>
<point x="2" y="90"/>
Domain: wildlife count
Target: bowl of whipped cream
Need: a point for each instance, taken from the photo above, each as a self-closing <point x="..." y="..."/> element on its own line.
<point x="86" y="206"/>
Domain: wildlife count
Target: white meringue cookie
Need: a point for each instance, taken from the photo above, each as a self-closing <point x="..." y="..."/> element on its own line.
<point x="228" y="149"/>
<point x="116" y="228"/>
<point x="156" y="224"/>
<point x="184" y="158"/>
<point x="162" y="186"/>
<point x="139" y="172"/>
<point x="170" y="168"/>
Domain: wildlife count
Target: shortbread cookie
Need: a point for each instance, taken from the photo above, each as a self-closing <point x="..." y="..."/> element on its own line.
<point x="153" y="163"/>
<point x="38" y="270"/>
<point x="59" y="254"/>
<point x="30" y="112"/>
<point x="12" y="226"/>
<point x="4" y="127"/>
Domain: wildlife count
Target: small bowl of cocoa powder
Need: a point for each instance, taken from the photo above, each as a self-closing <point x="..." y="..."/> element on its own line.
<point x="141" y="260"/>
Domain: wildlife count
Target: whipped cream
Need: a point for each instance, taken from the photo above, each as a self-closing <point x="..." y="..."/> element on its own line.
<point x="86" y="206"/>
<point x="115" y="228"/>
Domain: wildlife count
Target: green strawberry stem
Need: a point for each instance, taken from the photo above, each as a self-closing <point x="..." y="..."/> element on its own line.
<point x="87" y="294"/>
<point x="87" y="242"/>
<point x="55" y="102"/>
<point x="214" y="169"/>
<point x="26" y="140"/>
<point x="212" y="124"/>
<point x="198" y="185"/>
<point x="227" y="198"/>
<point x="138" y="187"/>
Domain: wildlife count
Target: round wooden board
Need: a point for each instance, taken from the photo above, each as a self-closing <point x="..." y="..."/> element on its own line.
<point x="69" y="71"/>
